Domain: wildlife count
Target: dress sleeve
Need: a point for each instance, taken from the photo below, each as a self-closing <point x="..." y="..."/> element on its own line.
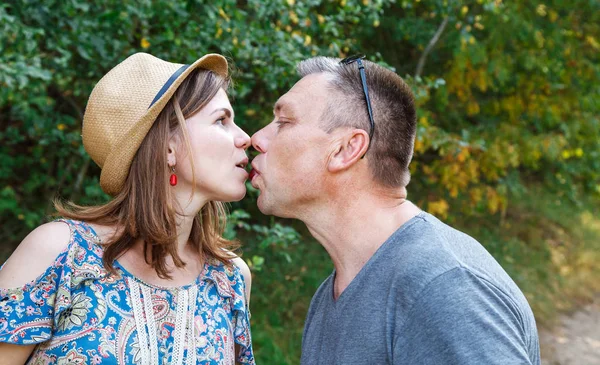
<point x="29" y="312"/>
<point x="241" y="321"/>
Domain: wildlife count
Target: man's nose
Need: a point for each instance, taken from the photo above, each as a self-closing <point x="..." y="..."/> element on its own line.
<point x="259" y="141"/>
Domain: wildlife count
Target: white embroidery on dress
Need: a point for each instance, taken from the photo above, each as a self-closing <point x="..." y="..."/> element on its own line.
<point x="180" y="324"/>
<point x="138" y="315"/>
<point x="191" y="336"/>
<point x="150" y="323"/>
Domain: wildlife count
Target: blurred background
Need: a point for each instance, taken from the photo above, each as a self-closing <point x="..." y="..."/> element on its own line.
<point x="507" y="148"/>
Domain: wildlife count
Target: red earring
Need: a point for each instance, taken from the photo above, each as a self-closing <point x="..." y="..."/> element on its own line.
<point x="173" y="178"/>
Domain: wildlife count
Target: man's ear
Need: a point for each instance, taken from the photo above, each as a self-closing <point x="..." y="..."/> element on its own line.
<point x="352" y="145"/>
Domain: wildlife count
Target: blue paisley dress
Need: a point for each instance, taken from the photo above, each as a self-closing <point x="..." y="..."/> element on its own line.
<point x="79" y="314"/>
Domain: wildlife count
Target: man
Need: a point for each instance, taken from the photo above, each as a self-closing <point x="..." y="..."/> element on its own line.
<point x="406" y="289"/>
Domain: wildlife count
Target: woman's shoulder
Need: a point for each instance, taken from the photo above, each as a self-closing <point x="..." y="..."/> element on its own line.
<point x="232" y="279"/>
<point x="245" y="274"/>
<point x="243" y="268"/>
<point x="236" y="268"/>
<point x="40" y="279"/>
<point x="49" y="245"/>
<point x="38" y="251"/>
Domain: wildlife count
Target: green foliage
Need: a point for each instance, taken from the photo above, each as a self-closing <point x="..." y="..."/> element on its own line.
<point x="549" y="246"/>
<point x="520" y="101"/>
<point x="508" y="98"/>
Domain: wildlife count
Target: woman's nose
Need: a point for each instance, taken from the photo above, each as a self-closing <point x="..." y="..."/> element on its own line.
<point x="243" y="141"/>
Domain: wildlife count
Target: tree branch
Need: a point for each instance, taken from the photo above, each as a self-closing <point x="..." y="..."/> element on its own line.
<point x="429" y="47"/>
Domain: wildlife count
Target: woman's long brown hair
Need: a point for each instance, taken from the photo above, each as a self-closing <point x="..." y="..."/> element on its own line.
<point x="144" y="208"/>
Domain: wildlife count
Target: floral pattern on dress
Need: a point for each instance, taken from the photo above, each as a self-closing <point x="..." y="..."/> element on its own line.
<point x="78" y="313"/>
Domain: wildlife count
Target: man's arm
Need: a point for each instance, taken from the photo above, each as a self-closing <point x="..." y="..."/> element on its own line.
<point x="460" y="318"/>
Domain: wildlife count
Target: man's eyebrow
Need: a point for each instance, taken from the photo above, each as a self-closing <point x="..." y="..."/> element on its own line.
<point x="226" y="110"/>
<point x="277" y="107"/>
<point x="281" y="104"/>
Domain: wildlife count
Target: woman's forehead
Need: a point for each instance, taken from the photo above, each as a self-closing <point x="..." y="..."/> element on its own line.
<point x="219" y="101"/>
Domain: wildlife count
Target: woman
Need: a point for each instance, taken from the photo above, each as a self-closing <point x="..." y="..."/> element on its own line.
<point x="146" y="278"/>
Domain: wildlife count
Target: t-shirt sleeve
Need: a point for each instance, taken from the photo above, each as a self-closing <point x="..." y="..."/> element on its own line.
<point x="460" y="318"/>
<point x="30" y="312"/>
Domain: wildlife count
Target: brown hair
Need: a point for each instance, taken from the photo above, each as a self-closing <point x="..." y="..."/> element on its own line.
<point x="144" y="207"/>
<point x="393" y="112"/>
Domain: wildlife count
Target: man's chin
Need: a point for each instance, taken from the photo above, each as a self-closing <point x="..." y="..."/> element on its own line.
<point x="262" y="206"/>
<point x="268" y="208"/>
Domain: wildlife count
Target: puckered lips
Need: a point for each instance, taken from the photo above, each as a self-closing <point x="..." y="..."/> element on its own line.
<point x="253" y="172"/>
<point x="242" y="164"/>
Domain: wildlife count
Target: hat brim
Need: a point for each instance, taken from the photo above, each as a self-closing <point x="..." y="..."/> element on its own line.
<point x="117" y="164"/>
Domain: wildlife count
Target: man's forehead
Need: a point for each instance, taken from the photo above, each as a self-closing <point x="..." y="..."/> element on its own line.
<point x="311" y="88"/>
<point x="289" y="102"/>
<point x="316" y="83"/>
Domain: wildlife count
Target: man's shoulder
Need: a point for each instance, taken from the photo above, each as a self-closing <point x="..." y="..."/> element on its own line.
<point x="321" y="294"/>
<point x="449" y="248"/>
<point x="455" y="310"/>
<point x="417" y="254"/>
<point x="413" y="258"/>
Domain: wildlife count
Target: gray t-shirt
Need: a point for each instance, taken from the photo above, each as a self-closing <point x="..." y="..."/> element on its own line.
<point x="429" y="295"/>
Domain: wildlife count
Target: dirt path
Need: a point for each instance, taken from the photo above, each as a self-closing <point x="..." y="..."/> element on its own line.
<point x="576" y="340"/>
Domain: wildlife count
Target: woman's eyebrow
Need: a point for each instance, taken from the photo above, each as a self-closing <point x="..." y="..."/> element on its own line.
<point x="227" y="111"/>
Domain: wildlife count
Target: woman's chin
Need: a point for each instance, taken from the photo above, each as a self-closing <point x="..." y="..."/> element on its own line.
<point x="234" y="195"/>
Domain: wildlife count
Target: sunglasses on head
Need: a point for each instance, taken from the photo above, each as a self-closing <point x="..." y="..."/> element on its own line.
<point x="363" y="79"/>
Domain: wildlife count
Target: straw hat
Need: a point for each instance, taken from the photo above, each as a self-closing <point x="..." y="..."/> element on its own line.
<point x="123" y="106"/>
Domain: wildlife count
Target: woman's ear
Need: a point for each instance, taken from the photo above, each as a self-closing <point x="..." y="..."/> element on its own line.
<point x="351" y="146"/>
<point x="171" y="152"/>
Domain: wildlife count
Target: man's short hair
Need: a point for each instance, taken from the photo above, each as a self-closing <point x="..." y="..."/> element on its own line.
<point x="393" y="112"/>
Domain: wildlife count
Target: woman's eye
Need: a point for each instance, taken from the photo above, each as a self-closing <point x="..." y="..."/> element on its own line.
<point x="220" y="121"/>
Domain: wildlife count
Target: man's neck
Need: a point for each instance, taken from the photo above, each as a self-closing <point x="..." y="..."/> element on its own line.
<point x="352" y="228"/>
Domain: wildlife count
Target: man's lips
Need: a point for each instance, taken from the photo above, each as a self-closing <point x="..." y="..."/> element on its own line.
<point x="253" y="173"/>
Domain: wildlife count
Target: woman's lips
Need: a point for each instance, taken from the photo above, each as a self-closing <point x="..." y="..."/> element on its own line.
<point x="245" y="172"/>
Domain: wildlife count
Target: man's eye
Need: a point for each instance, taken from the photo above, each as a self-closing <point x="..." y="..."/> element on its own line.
<point x="281" y="123"/>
